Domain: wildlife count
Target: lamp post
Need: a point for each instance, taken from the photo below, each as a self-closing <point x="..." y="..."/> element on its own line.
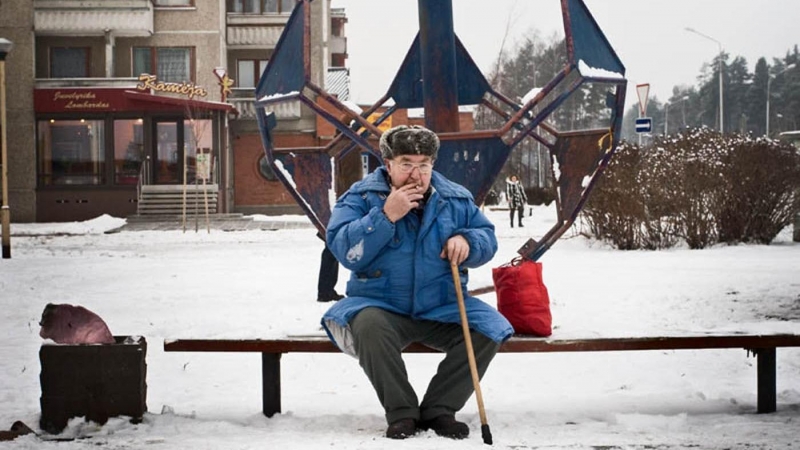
<point x="5" y="212"/>
<point x="769" y="84"/>
<point x="721" y="109"/>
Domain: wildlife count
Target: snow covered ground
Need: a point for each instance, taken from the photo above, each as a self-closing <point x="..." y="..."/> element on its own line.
<point x="170" y="284"/>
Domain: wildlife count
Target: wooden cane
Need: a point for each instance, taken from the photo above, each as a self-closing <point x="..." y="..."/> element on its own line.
<point x="485" y="432"/>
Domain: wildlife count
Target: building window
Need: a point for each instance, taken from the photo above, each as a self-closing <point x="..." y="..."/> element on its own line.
<point x="128" y="150"/>
<point x="261" y="6"/>
<point x="173" y="2"/>
<point x="71" y="152"/>
<point x="69" y="62"/>
<point x="249" y="71"/>
<point x="265" y="170"/>
<point x="171" y="64"/>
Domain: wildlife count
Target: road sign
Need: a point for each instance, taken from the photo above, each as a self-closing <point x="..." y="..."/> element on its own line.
<point x="642" y="90"/>
<point x="644" y="124"/>
<point x="203" y="169"/>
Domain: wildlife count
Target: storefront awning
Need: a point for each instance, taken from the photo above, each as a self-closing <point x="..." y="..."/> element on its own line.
<point x="179" y="102"/>
<point x="79" y="100"/>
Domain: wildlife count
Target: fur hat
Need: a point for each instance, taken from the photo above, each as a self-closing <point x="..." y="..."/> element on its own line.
<point x="409" y="140"/>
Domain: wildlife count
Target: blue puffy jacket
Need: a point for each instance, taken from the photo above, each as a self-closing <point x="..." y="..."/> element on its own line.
<point x="397" y="267"/>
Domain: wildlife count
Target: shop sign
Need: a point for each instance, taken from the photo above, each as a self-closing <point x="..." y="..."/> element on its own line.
<point x="203" y="166"/>
<point x="385" y="125"/>
<point x="149" y="82"/>
<point x="74" y="100"/>
<point x="81" y="100"/>
<point x="225" y="83"/>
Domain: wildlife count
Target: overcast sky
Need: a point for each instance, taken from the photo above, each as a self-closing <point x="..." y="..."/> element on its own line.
<point x="648" y="36"/>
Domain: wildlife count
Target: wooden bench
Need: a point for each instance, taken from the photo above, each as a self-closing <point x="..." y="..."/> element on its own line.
<point x="762" y="346"/>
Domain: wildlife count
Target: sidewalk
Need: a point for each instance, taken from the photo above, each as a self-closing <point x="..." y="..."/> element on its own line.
<point x="106" y="224"/>
<point x="221" y="222"/>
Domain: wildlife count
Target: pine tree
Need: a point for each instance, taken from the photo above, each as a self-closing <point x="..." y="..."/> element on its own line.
<point x="738" y="80"/>
<point x="790" y="92"/>
<point x="756" y="98"/>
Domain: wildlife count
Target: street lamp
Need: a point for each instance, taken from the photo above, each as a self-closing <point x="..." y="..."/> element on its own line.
<point x="769" y="84"/>
<point x="5" y="212"/>
<point x="721" y="110"/>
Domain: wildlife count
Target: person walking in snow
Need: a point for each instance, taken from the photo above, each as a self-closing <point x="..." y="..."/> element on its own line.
<point x="398" y="230"/>
<point x="516" y="198"/>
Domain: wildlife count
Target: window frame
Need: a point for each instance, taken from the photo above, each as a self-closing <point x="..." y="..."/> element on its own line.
<point x="47" y="180"/>
<point x="191" y="4"/>
<point x="154" y="60"/>
<point x="262" y="4"/>
<point x="257" y="64"/>
<point x="265" y="170"/>
<point x="88" y="64"/>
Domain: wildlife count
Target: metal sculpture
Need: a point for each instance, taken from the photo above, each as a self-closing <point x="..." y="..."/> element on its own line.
<point x="438" y="75"/>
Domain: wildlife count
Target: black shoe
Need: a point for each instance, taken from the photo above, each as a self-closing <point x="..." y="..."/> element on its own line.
<point x="447" y="426"/>
<point x="329" y="297"/>
<point x="402" y="429"/>
<point x="521" y="225"/>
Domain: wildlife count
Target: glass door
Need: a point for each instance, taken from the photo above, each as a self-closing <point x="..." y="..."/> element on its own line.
<point x="168" y="160"/>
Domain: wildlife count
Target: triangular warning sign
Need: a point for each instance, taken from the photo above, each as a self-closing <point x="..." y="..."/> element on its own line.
<point x="642" y="90"/>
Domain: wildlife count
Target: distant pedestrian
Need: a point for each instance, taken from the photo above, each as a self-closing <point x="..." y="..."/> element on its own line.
<point x="516" y="198"/>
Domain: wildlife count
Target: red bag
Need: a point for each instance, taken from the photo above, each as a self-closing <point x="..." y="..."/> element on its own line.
<point x="522" y="297"/>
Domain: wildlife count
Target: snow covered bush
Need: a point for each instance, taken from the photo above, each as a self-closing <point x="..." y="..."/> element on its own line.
<point x="761" y="192"/>
<point x="698" y="187"/>
<point x="614" y="211"/>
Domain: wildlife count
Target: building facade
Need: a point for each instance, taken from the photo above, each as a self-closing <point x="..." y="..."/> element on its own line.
<point x="105" y="97"/>
<point x="110" y="99"/>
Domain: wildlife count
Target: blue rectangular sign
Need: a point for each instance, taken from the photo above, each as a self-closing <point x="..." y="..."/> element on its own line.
<point x="644" y="124"/>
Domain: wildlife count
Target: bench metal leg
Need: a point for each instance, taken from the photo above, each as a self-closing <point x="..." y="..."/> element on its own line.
<point x="271" y="382"/>
<point x="767" y="399"/>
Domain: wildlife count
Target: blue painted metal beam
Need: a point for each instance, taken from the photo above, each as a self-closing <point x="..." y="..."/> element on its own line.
<point x="439" y="75"/>
<point x="438" y="54"/>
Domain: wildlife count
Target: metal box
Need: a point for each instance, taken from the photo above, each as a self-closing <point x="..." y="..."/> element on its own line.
<point x="93" y="381"/>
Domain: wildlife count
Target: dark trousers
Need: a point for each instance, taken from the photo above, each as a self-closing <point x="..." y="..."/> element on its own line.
<point x="328" y="273"/>
<point x="521" y="211"/>
<point x="379" y="337"/>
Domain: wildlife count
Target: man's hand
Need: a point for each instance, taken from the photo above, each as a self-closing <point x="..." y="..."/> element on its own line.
<point x="402" y="200"/>
<point x="456" y="249"/>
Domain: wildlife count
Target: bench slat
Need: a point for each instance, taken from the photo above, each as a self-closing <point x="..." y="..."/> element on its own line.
<point x="763" y="346"/>
<point x="517" y="344"/>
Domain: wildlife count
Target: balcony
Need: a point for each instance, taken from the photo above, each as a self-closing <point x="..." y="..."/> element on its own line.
<point x="244" y="101"/>
<point x="256" y="31"/>
<point x="93" y="17"/>
<point x="126" y="83"/>
<point x="338" y="44"/>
